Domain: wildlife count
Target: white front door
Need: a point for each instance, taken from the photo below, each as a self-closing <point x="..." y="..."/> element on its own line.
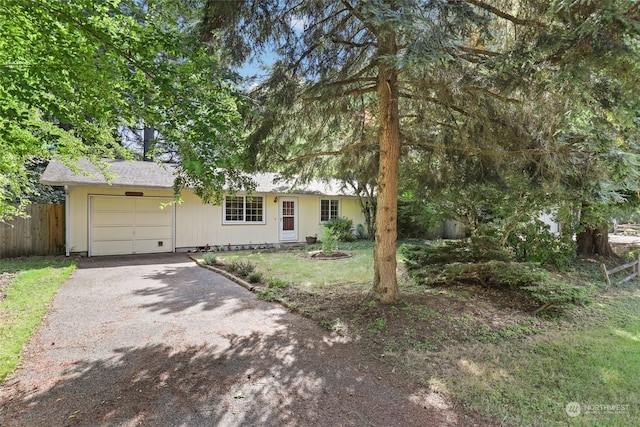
<point x="288" y="218"/>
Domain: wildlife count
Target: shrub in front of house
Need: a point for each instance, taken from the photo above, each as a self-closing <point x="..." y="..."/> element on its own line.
<point x="534" y="242"/>
<point x="209" y="259"/>
<point x="242" y="268"/>
<point x="329" y="241"/>
<point x="342" y="228"/>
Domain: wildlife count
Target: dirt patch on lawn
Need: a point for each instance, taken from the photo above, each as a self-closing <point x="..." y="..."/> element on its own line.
<point x="5" y="280"/>
<point x="430" y="319"/>
<point x="328" y="256"/>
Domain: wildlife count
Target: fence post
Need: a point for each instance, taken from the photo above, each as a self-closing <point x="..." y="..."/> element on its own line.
<point x="605" y="274"/>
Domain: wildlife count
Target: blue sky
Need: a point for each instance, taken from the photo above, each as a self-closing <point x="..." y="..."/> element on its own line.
<point x="256" y="67"/>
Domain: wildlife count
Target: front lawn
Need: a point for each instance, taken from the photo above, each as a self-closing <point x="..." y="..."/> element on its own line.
<point x="479" y="346"/>
<point x="27" y="286"/>
<point x="296" y="267"/>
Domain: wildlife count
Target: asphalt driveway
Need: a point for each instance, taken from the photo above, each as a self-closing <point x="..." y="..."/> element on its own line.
<point x="160" y="341"/>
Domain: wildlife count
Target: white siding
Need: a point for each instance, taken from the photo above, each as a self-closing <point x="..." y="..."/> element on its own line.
<point x="197" y="224"/>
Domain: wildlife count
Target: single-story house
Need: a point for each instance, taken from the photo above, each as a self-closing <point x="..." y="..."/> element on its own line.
<point x="133" y="213"/>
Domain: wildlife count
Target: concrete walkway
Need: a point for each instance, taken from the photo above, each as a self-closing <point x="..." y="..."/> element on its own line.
<point x="159" y="341"/>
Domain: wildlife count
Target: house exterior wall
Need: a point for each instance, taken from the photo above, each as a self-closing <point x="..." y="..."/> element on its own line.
<point x="197" y="224"/>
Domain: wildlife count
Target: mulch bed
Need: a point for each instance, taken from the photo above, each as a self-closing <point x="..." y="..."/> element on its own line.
<point x="333" y="255"/>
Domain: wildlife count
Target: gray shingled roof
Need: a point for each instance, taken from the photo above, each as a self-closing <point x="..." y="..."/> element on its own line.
<point x="126" y="174"/>
<point x="137" y="174"/>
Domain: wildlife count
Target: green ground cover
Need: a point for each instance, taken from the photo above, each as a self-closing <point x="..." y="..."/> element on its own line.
<point x="27" y="287"/>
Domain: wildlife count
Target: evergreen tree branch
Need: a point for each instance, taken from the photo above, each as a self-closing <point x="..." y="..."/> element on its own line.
<point x="351" y="43"/>
<point x="494" y="10"/>
<point x="492" y="94"/>
<point x="344" y="150"/>
<point x="352" y="81"/>
<point x="485" y="152"/>
<point x="478" y="52"/>
<point x="352" y="92"/>
<point x="363" y="19"/>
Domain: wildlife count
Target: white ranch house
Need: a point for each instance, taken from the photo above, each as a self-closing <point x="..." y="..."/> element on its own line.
<point x="133" y="213"/>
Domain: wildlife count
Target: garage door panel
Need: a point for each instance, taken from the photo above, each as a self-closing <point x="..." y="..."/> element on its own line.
<point x="111" y="233"/>
<point x="145" y="233"/>
<point x="121" y="247"/>
<point x="153" y="218"/>
<point x="153" y="246"/>
<point x="112" y="203"/>
<point x="112" y="218"/>
<point x="151" y="205"/>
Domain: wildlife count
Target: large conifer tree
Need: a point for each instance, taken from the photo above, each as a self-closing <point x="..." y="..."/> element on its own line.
<point x="470" y="74"/>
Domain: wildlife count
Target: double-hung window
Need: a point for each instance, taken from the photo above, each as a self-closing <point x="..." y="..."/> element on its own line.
<point x="329" y="209"/>
<point x="243" y="210"/>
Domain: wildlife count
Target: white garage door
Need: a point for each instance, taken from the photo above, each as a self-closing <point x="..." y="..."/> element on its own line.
<point x="129" y="225"/>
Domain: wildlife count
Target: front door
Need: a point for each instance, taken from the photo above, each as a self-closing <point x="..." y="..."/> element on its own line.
<point x="288" y="218"/>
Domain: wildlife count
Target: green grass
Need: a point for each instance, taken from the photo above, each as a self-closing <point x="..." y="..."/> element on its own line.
<point x="310" y="273"/>
<point x="531" y="382"/>
<point x="34" y="283"/>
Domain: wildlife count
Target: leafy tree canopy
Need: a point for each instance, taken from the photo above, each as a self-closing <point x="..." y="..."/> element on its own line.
<point x="74" y="73"/>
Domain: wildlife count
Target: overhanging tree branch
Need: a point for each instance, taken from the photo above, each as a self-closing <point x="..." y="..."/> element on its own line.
<point x="484" y="152"/>
<point x="93" y="34"/>
<point x="352" y="92"/>
<point x="479" y="52"/>
<point x="344" y="150"/>
<point x="492" y="94"/>
<point x="351" y="81"/>
<point x="360" y="17"/>
<point x="352" y="44"/>
<point x="494" y="10"/>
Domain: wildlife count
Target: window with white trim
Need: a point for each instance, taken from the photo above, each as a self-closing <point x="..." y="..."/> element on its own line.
<point x="243" y="210"/>
<point x="329" y="209"/>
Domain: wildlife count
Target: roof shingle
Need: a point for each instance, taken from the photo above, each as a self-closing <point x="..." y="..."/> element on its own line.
<point x="128" y="173"/>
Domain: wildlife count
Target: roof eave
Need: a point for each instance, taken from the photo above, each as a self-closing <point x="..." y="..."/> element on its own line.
<point x="103" y="185"/>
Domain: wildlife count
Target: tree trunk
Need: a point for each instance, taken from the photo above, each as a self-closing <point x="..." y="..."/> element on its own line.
<point x="368" y="207"/>
<point x="147" y="141"/>
<point x="385" y="281"/>
<point x="594" y="241"/>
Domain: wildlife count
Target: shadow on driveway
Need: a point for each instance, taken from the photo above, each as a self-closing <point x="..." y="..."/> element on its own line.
<point x="159" y="341"/>
<point x="131" y="260"/>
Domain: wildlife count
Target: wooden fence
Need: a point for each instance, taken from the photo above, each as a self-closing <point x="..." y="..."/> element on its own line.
<point x="634" y="266"/>
<point x="42" y="233"/>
